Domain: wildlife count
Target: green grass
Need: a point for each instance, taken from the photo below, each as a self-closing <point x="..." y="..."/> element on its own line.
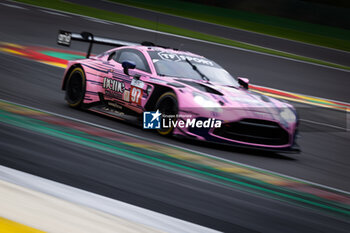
<point x="276" y="26"/>
<point x="111" y="16"/>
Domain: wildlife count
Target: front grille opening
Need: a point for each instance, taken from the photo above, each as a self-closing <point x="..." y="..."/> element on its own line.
<point x="254" y="131"/>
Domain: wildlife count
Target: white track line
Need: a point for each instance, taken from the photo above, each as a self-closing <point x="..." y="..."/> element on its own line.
<point x="101" y="203"/>
<point x="55" y="13"/>
<point x="324" y="124"/>
<point x="193" y="39"/>
<point x="96" y="20"/>
<point x="13" y="6"/>
<point x="181" y="148"/>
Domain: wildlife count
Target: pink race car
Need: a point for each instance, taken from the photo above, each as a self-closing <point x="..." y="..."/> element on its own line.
<point x="176" y="93"/>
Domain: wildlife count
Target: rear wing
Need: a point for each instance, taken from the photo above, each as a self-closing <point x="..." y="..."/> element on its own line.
<point x="64" y="38"/>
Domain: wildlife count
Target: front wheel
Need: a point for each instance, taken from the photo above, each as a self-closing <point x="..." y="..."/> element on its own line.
<point x="167" y="104"/>
<point x="75" y="89"/>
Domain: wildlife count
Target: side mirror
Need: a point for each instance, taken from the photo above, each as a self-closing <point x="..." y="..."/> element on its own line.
<point x="128" y="65"/>
<point x="244" y="82"/>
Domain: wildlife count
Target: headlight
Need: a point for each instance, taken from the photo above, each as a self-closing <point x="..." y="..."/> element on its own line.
<point x="288" y="115"/>
<point x="204" y="101"/>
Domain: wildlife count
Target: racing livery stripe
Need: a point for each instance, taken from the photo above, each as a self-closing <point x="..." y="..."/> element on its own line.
<point x="94" y="74"/>
<point x="98" y="66"/>
<point x="104" y="66"/>
<point x="94" y="68"/>
<point x="94" y="82"/>
<point x="91" y="93"/>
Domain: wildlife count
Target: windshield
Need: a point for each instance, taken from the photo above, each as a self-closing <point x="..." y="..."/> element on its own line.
<point x="175" y="65"/>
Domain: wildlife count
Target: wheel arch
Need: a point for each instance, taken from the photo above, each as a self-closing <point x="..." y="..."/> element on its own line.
<point x="158" y="91"/>
<point x="72" y="67"/>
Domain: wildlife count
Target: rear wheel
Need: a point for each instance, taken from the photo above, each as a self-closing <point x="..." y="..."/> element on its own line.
<point x="75" y="89"/>
<point x="167" y="104"/>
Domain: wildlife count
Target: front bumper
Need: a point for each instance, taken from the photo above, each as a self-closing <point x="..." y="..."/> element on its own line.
<point x="248" y="133"/>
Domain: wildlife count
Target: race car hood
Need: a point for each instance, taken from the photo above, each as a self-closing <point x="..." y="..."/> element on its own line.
<point x="233" y="103"/>
<point x="250" y="104"/>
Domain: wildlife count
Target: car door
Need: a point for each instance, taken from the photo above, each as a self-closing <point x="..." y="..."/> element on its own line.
<point x="113" y="83"/>
<point x="134" y="87"/>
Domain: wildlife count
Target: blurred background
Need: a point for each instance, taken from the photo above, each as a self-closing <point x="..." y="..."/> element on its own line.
<point x="325" y="12"/>
<point x="67" y="170"/>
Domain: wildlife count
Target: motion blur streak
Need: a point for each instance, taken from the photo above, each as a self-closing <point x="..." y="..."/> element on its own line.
<point x="55" y="207"/>
<point x="172" y="190"/>
<point x="221" y="172"/>
<point x="14" y="227"/>
<point x="54" y="211"/>
<point x="59" y="58"/>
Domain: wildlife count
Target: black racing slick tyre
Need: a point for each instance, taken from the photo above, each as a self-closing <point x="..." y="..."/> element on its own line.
<point x="75" y="88"/>
<point x="167" y="104"/>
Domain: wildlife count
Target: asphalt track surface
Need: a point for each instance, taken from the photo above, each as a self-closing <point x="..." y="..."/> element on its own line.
<point x="324" y="158"/>
<point x="303" y="49"/>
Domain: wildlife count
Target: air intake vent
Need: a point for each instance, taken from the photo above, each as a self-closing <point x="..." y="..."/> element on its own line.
<point x="254" y="131"/>
<point x="201" y="87"/>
